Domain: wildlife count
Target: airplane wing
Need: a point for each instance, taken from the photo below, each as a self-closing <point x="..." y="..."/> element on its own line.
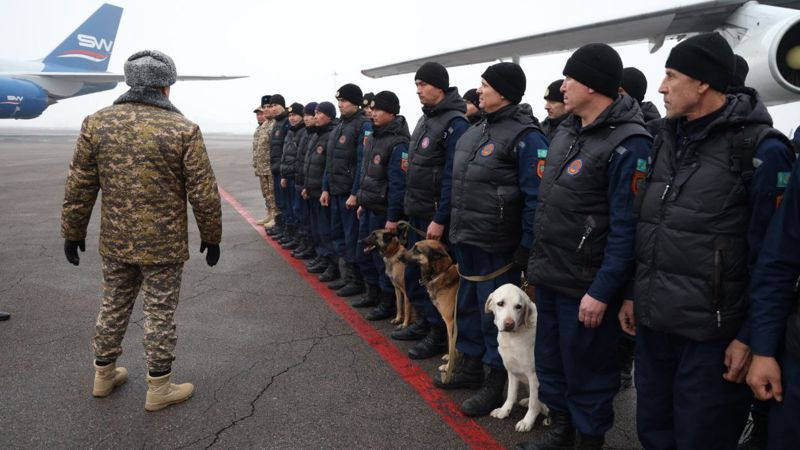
<point x="105" y="77"/>
<point x="655" y="25"/>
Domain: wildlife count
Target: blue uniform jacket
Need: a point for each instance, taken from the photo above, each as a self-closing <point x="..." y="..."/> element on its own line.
<point x="527" y="159"/>
<point x="773" y="282"/>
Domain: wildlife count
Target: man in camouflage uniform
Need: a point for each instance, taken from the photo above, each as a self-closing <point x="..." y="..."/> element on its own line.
<point x="263" y="168"/>
<point x="147" y="159"/>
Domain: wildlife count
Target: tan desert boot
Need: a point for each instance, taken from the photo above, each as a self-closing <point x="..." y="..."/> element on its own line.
<point x="161" y="393"/>
<point x="106" y="378"/>
<point x="266" y="219"/>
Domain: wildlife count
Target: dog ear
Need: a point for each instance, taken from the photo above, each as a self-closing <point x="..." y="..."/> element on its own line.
<point x="525" y="316"/>
<point x="388" y="236"/>
<point x="489" y="304"/>
<point x="436" y="253"/>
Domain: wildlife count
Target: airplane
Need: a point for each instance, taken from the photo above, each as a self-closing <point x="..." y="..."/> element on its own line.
<point x="76" y="67"/>
<point x="766" y="34"/>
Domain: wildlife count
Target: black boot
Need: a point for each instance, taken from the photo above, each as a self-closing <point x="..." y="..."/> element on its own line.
<point x="757" y="439"/>
<point x="414" y="332"/>
<point x="303" y="246"/>
<point x="287" y="235"/>
<point x="318" y="267"/>
<point x="625" y="349"/>
<point x="355" y="283"/>
<point x="489" y="397"/>
<point x="434" y="344"/>
<point x="339" y="283"/>
<point x="331" y="271"/>
<point x="309" y="251"/>
<point x="560" y="436"/>
<point x="370" y="298"/>
<point x="467" y="375"/>
<point x="4" y="316"/>
<point x="586" y="442"/>
<point x="314" y="261"/>
<point x="386" y="308"/>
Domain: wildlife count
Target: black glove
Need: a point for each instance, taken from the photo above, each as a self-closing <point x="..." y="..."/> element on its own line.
<point x="213" y="253"/>
<point x="71" y="250"/>
<point x="520" y="260"/>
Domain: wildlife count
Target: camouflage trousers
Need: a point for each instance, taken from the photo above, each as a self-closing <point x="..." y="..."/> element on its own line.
<point x="160" y="286"/>
<point x="268" y="191"/>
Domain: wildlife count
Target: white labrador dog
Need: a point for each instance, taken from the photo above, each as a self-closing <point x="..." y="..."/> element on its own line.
<point x="515" y="319"/>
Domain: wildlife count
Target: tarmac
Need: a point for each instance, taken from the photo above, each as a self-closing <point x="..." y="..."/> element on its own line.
<point x="278" y="361"/>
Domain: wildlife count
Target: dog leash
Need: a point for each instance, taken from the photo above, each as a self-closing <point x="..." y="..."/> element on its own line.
<point x="404" y="225"/>
<point x="491" y="276"/>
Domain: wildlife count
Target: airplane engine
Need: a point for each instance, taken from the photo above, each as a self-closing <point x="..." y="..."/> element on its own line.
<point x="20" y="99"/>
<point x="771" y="46"/>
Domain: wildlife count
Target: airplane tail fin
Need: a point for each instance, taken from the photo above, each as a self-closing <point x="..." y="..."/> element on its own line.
<point x="88" y="48"/>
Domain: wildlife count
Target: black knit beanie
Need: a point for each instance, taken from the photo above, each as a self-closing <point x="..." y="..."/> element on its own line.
<point x="472" y="97"/>
<point x="553" y="92"/>
<point x="634" y="82"/>
<point x="296" y="108"/>
<point x="277" y="99"/>
<point x="351" y="93"/>
<point x="706" y="57"/>
<point x="367" y="100"/>
<point x="386" y="101"/>
<point x="434" y="74"/>
<point x="740" y="72"/>
<point x="265" y="100"/>
<point x="310" y="109"/>
<point x="598" y="67"/>
<point x="506" y="78"/>
<point x="328" y="109"/>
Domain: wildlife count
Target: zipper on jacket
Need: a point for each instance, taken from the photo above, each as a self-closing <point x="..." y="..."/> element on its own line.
<point x="586" y="232"/>
<point x="718" y="285"/>
<point x="502" y="206"/>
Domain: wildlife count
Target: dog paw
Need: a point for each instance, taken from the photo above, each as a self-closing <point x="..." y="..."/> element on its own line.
<point x="500" y="413"/>
<point x="524" y="402"/>
<point x="395" y="321"/>
<point x="524" y="425"/>
<point x="445" y="357"/>
<point x="443" y="368"/>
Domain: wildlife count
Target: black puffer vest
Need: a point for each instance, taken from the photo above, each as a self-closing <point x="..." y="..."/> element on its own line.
<point x="316" y="160"/>
<point x="571" y="227"/>
<point x="427" y="155"/>
<point x="373" y="192"/>
<point x="341" y="164"/>
<point x="549" y="126"/>
<point x="290" y="151"/>
<point x="691" y="239"/>
<point x="306" y="136"/>
<point x="277" y="140"/>
<point x="487" y="203"/>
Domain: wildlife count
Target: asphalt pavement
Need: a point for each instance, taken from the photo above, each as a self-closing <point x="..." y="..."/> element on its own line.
<point x="277" y="361"/>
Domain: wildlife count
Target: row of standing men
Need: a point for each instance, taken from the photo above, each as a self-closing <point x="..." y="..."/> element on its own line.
<point x="651" y="227"/>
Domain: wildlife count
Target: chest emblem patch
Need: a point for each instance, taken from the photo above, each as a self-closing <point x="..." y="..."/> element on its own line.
<point x="342" y="139"/>
<point x="320" y="149"/>
<point x="575" y="167"/>
<point x="426" y="141"/>
<point x="376" y="159"/>
<point x="487" y="150"/>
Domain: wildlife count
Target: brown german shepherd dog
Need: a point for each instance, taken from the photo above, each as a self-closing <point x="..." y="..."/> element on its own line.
<point x="388" y="244"/>
<point x="439" y="275"/>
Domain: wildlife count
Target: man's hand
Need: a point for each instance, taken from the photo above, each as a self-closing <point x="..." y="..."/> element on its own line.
<point x="351" y="202"/>
<point x="591" y="311"/>
<point x="626" y="319"/>
<point x="71" y="250"/>
<point x="324" y="198"/>
<point x="359" y="212"/>
<point x="284" y="183"/>
<point x="520" y="259"/>
<point x="435" y="231"/>
<point x="304" y="194"/>
<point x="737" y="360"/>
<point x="212" y="257"/>
<point x="764" y="378"/>
<point x="390" y="226"/>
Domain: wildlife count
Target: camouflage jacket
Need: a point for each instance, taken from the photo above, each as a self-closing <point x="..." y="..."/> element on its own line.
<point x="147" y="161"/>
<point x="261" y="148"/>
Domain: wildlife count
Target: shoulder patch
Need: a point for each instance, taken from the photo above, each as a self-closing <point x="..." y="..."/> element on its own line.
<point x="641" y="165"/>
<point x="757" y="162"/>
<point x="367" y="132"/>
<point x="404" y="161"/>
<point x="783" y="179"/>
<point x="541" y="153"/>
<point x="521" y="144"/>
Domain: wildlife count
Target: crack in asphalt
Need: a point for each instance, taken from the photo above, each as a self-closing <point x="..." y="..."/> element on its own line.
<point x="253" y="402"/>
<point x="13" y="285"/>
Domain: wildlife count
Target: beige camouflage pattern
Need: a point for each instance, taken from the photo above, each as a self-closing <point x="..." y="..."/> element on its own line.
<point x="147" y="161"/>
<point x="261" y="148"/>
<point x="268" y="191"/>
<point x="160" y="286"/>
